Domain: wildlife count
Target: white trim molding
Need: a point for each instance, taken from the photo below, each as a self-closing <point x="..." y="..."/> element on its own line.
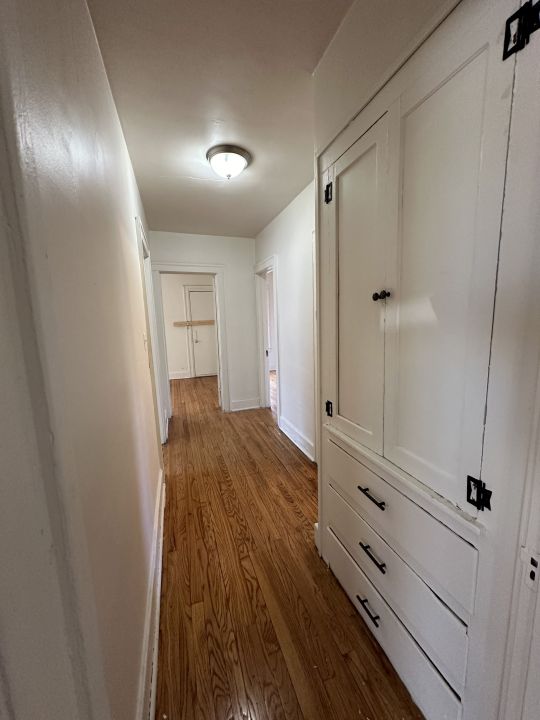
<point x="160" y="393"/>
<point x="218" y="271"/>
<point x="166" y="408"/>
<point x="298" y="438"/>
<point x="148" y="671"/>
<point x="249" y="404"/>
<point x="179" y="374"/>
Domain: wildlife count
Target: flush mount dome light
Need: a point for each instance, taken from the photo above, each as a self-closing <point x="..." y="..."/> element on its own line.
<point x="228" y="161"/>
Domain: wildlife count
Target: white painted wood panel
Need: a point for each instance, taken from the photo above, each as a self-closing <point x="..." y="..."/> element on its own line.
<point x="203" y="337"/>
<point x="439" y="324"/>
<point x="361" y="233"/>
<point x="467" y="527"/>
<point x="360" y="326"/>
<point x="437" y="630"/>
<point x="428" y="689"/>
<point x="444" y="560"/>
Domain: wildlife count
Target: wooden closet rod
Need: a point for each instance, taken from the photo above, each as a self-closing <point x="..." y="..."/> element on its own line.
<point x="193" y="323"/>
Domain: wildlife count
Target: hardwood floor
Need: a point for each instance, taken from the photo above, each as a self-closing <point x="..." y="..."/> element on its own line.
<point x="253" y="624"/>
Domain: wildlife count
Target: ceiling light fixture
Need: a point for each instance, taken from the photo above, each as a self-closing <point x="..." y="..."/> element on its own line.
<point x="228" y="161"/>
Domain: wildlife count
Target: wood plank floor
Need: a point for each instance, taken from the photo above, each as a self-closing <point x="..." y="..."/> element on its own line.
<point x="253" y="624"/>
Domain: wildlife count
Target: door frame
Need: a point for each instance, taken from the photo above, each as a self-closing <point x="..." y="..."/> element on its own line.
<point x="521" y="285"/>
<point x="218" y="271"/>
<point x="525" y="615"/>
<point x="152" y="337"/>
<point x="187" y="303"/>
<point x="262" y="268"/>
<point x="163" y="367"/>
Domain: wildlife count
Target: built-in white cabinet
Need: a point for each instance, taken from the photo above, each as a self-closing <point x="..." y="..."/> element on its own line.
<point x="410" y="206"/>
<point x="412" y="234"/>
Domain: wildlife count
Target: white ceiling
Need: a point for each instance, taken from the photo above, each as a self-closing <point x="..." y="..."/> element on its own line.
<point x="188" y="74"/>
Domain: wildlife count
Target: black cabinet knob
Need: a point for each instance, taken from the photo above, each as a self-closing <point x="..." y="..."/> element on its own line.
<point x="375" y="297"/>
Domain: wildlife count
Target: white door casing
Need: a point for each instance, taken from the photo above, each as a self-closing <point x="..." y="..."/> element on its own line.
<point x="160" y="395"/>
<point x="219" y="273"/>
<point x="161" y="359"/>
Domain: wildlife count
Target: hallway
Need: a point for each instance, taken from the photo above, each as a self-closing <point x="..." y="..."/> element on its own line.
<point x="253" y="625"/>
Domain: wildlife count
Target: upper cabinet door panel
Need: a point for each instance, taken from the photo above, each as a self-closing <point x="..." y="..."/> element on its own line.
<point x="360" y="195"/>
<point x="453" y="138"/>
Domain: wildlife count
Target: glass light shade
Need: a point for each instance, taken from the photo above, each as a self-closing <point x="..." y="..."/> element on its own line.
<point x="228" y="161"/>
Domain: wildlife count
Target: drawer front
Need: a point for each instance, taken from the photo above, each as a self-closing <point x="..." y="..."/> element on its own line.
<point x="440" y="633"/>
<point x="443" y="559"/>
<point x="430" y="692"/>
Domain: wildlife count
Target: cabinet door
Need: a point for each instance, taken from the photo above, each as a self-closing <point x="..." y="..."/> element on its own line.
<point x="454" y="124"/>
<point x="357" y="232"/>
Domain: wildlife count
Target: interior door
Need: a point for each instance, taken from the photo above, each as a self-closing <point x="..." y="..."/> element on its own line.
<point x="453" y="124"/>
<point x="201" y="311"/>
<point x="361" y="230"/>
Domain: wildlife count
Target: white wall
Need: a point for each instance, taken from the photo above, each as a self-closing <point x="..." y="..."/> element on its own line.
<point x="80" y="470"/>
<point x="174" y="310"/>
<point x="34" y="642"/>
<point x="237" y="256"/>
<point x="290" y="237"/>
<point x="374" y="38"/>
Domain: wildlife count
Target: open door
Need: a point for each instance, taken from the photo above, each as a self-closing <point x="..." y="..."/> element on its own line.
<point x="267" y="318"/>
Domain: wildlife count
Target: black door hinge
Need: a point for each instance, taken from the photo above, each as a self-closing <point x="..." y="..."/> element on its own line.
<point x="328" y="193"/>
<point x="329" y="408"/>
<point x="477" y="494"/>
<point x="519" y="28"/>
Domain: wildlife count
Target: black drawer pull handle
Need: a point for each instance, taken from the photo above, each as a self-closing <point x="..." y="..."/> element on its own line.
<point x="380" y="565"/>
<point x="379" y="503"/>
<point x="364" y="604"/>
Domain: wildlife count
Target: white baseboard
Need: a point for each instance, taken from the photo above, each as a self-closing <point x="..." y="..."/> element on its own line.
<point x="300" y="440"/>
<point x="148" y="673"/>
<point x="316" y="536"/>
<point x="179" y="374"/>
<point x="249" y="404"/>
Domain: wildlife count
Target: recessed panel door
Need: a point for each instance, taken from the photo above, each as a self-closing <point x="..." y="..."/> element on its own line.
<point x="453" y="137"/>
<point x="362" y="210"/>
<point x="203" y="332"/>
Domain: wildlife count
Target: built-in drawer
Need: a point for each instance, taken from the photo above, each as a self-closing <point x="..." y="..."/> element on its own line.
<point x="428" y="689"/>
<point x="444" y="560"/>
<point x="440" y="633"/>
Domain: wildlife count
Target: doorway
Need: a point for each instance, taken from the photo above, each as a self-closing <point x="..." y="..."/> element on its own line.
<point x="200" y="314"/>
<point x="151" y="336"/>
<point x="266" y="279"/>
<point x="191" y="332"/>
